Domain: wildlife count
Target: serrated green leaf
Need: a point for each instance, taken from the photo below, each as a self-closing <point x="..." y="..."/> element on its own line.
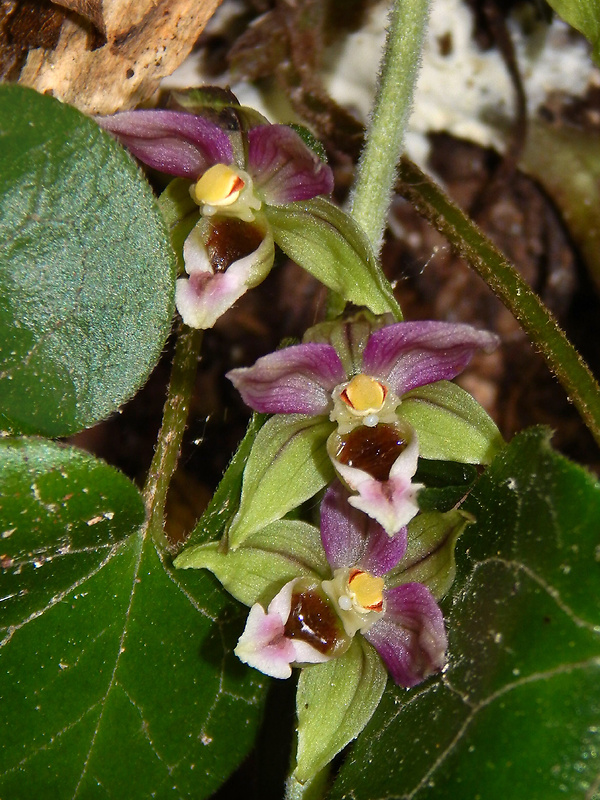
<point x="86" y="269"/>
<point x="335" y="700"/>
<point x="516" y="712"/>
<point x="117" y="677"/>
<point x="288" y="464"/>
<point x="451" y="424"/>
<point x="326" y="242"/>
<point x="267" y="560"/>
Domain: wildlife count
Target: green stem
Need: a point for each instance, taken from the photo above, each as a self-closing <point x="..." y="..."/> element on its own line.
<point x="166" y="454"/>
<point x="378" y="165"/>
<point x="506" y="283"/>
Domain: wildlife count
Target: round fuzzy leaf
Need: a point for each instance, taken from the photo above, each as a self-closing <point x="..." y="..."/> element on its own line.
<point x="117" y="675"/>
<point x="86" y="269"/>
<point x="515" y="714"/>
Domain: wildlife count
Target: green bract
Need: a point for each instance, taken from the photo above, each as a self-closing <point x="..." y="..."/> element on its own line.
<point x="334" y="702"/>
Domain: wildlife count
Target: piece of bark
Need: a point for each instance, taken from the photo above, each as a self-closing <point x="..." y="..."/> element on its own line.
<point x="146" y="40"/>
<point x="92" y="10"/>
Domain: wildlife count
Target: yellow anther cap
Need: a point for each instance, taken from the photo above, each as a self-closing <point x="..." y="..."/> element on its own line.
<point x="219" y="186"/>
<point x="367" y="589"/>
<point x="364" y="393"/>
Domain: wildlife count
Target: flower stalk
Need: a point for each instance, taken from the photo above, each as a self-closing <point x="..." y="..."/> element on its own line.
<point x="377" y="169"/>
<point x="166" y="453"/>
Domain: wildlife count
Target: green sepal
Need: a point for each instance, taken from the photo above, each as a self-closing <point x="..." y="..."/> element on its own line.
<point x="288" y="464"/>
<point x="429" y="557"/>
<point x="329" y="245"/>
<point x="180" y="213"/>
<point x="451" y="425"/>
<point x="201" y="100"/>
<point x="221" y="107"/>
<point x="334" y="702"/>
<point x="267" y="560"/>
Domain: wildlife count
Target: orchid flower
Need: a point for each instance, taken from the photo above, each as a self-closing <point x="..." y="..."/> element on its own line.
<point x="309" y="623"/>
<point x="359" y="373"/>
<point x="233" y="177"/>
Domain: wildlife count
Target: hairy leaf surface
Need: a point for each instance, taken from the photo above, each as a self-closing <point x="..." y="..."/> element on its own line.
<point x="86" y="269"/>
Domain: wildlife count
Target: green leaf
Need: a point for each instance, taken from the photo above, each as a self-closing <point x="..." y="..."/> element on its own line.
<point x="451" y="424"/>
<point x="117" y="677"/>
<point x="86" y="269"/>
<point x="584" y="15"/>
<point x="326" y="242"/>
<point x="265" y="562"/>
<point x="516" y="712"/>
<point x="60" y="511"/>
<point x="288" y="464"/>
<point x="335" y="700"/>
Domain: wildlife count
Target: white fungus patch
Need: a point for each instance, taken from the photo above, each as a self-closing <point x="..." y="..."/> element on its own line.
<point x="462" y="89"/>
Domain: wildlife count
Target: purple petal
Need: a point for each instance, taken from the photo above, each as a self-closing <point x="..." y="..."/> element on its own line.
<point x="384" y="552"/>
<point x="411" y="354"/>
<point x="295" y="380"/>
<point x="411" y="637"/>
<point x="344" y="530"/>
<point x="351" y="538"/>
<point x="283" y="168"/>
<point x="173" y="142"/>
<point x="205" y="296"/>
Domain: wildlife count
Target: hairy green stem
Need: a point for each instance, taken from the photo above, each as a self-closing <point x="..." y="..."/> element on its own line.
<point x="378" y="164"/>
<point x="536" y="320"/>
<point x="166" y="454"/>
